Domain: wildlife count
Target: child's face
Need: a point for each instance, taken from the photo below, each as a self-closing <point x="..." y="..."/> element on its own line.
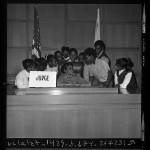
<point x="73" y="56"/>
<point x="69" y="70"/>
<point x="118" y="67"/>
<point x="81" y="58"/>
<point x="89" y="60"/>
<point x="59" y="56"/>
<point x="65" y="54"/>
<point x="98" y="49"/>
<point x="53" y="63"/>
<point x="31" y="68"/>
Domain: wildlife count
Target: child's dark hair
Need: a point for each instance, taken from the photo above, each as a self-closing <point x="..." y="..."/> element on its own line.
<point x="64" y="67"/>
<point x="81" y="53"/>
<point x="56" y="52"/>
<point x="73" y="50"/>
<point x="101" y="43"/>
<point x="125" y="63"/>
<point x="50" y="58"/>
<point x="90" y="52"/>
<point x="64" y="49"/>
<point x="41" y="64"/>
<point x="27" y="63"/>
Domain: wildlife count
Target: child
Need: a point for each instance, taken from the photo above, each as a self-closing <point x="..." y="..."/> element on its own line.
<point x="69" y="78"/>
<point x="65" y="53"/>
<point x="41" y="64"/>
<point x="73" y="54"/>
<point x="22" y="78"/>
<point x="97" y="71"/>
<point x="124" y="75"/>
<point x="81" y="57"/>
<point x="59" y="57"/>
<point x="51" y="63"/>
<point x="100" y="50"/>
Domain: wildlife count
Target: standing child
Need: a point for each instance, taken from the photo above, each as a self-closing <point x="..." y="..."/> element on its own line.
<point x="65" y="53"/>
<point x="59" y="57"/>
<point x="100" y="50"/>
<point x="81" y="57"/>
<point x="73" y="54"/>
<point x="124" y="75"/>
<point x="22" y="78"/>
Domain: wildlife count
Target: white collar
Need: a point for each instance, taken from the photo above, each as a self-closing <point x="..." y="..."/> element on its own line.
<point x="121" y="71"/>
<point x="100" y="53"/>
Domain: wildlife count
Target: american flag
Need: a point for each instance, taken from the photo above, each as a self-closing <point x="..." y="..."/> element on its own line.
<point x="36" y="45"/>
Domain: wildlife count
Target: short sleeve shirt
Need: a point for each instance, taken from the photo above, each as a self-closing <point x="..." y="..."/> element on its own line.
<point x="99" y="70"/>
<point x="22" y="79"/>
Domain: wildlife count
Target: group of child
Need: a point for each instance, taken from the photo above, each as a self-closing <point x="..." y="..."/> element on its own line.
<point x="97" y="68"/>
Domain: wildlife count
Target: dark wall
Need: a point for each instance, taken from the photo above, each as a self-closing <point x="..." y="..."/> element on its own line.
<point x="73" y="25"/>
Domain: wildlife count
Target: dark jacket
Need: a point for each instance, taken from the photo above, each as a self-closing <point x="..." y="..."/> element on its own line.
<point x="132" y="83"/>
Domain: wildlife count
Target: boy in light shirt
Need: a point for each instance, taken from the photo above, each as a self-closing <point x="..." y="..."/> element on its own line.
<point x="97" y="71"/>
<point x="22" y="78"/>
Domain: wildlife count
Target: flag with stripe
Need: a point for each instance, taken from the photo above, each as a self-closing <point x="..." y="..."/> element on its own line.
<point x="36" y="45"/>
<point x="97" y="27"/>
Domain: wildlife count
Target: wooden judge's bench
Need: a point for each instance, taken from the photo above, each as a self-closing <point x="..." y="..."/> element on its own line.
<point x="73" y="113"/>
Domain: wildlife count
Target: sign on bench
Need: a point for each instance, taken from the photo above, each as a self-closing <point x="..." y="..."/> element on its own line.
<point x="42" y="79"/>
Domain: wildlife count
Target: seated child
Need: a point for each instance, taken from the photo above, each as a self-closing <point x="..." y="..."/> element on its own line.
<point x="51" y="63"/>
<point x="22" y="78"/>
<point x="69" y="78"/>
<point x="124" y="75"/>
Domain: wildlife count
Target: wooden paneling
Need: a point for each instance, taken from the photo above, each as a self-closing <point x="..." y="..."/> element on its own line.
<point x="16" y="11"/>
<point x="122" y="12"/>
<point x="50" y="12"/>
<point x="16" y="34"/>
<point x="82" y="12"/>
<point x="14" y="60"/>
<point x="80" y="34"/>
<point x="122" y="35"/>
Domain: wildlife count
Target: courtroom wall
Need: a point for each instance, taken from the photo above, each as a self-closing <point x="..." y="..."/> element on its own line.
<point x="73" y="25"/>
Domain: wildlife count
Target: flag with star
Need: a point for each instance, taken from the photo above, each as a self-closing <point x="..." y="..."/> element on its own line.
<point x="36" y="45"/>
